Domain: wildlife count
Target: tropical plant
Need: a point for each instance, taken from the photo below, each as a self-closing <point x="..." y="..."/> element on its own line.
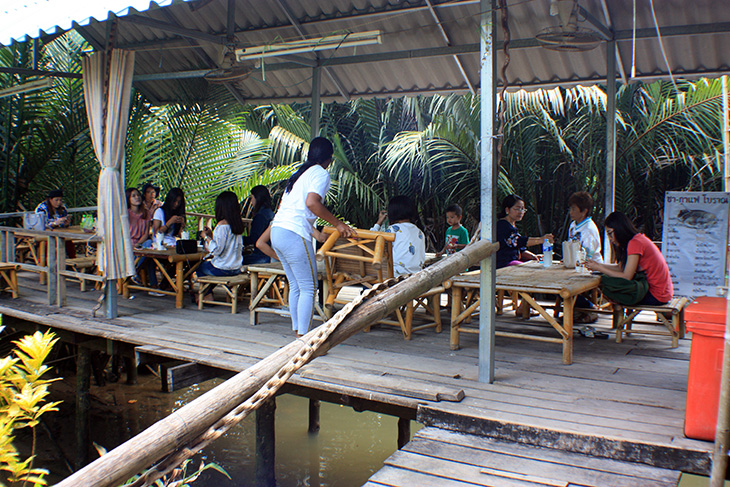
<point x="22" y="402"/>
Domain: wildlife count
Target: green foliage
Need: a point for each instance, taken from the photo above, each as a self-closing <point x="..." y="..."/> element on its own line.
<point x="180" y="477"/>
<point x="22" y="402"/>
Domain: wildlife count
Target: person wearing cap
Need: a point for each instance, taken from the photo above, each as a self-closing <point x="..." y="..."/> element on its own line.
<point x="53" y="210"/>
<point x="150" y="193"/>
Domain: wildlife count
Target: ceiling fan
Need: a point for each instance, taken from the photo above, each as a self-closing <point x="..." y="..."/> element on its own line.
<point x="568" y="36"/>
<point x="230" y="69"/>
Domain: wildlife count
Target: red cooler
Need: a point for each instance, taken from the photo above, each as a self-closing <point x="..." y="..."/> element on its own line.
<point x="705" y="318"/>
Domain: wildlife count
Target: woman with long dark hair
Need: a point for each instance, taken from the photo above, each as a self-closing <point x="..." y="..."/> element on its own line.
<point x="225" y="243"/>
<point x="263" y="214"/>
<point x="512" y="245"/>
<point x="293" y="228"/>
<point x="635" y="252"/>
<point x="170" y="217"/>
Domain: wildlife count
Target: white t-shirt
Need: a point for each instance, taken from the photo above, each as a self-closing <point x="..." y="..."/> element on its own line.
<point x="293" y="214"/>
<point x="226" y="248"/>
<point x="589" y="236"/>
<point x="169" y="238"/>
<point x="409" y="247"/>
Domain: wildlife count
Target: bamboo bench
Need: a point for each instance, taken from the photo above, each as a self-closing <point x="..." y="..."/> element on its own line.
<point x="9" y="274"/>
<point x="232" y="286"/>
<point x="83" y="265"/>
<point x="670" y="315"/>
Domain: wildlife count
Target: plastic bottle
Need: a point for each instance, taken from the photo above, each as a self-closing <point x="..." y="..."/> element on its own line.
<point x="547" y="253"/>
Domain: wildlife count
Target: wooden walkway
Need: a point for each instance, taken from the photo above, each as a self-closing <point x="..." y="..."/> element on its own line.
<point x="621" y="402"/>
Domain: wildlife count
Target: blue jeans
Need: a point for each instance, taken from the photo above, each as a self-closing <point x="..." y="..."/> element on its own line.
<point x="149" y="263"/>
<point x="298" y="260"/>
<point x="206" y="268"/>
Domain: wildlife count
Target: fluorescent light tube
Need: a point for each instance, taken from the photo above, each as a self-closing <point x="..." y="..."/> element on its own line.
<point x="309" y="45"/>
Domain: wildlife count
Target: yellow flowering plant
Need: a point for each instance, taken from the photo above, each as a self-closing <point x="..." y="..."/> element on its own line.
<point x="22" y="401"/>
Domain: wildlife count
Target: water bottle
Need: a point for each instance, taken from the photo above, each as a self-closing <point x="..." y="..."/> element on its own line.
<point x="547" y="253"/>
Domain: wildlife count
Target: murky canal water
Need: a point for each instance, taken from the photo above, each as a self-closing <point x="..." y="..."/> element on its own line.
<point x="349" y="447"/>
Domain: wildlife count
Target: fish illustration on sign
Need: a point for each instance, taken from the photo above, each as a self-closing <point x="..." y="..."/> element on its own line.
<point x="697" y="219"/>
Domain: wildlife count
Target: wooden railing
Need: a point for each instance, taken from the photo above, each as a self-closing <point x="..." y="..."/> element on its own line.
<point x="55" y="266"/>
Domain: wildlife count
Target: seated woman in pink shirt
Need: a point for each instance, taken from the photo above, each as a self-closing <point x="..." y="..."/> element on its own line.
<point x="635" y="252"/>
<point x="139" y="219"/>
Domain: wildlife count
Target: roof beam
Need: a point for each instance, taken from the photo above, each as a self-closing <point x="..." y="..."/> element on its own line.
<point x="40" y="72"/>
<point x="174" y="29"/>
<point x="298" y="26"/>
<point x="605" y="32"/>
<point x="619" y="59"/>
<point x="448" y="43"/>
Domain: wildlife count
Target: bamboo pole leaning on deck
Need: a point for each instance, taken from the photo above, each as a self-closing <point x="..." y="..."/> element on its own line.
<point x="177" y="430"/>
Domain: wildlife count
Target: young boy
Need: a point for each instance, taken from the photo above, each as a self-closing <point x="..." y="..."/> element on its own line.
<point x="456" y="235"/>
<point x="409" y="247"/>
<point x="582" y="227"/>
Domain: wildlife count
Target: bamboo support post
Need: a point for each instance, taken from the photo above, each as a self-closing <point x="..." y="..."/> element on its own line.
<point x="314" y="407"/>
<point x="266" y="444"/>
<point x="404" y="432"/>
<point x="83" y="382"/>
<point x="187" y="423"/>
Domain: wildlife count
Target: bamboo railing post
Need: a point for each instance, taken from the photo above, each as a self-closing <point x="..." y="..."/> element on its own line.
<point x="722" y="430"/>
<point x="83" y="382"/>
<point x="187" y="423"/>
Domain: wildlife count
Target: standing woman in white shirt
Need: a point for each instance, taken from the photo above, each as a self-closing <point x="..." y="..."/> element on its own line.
<point x="293" y="228"/>
<point x="225" y="243"/>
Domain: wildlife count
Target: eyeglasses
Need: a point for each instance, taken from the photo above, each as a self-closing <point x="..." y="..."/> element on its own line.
<point x="521" y="210"/>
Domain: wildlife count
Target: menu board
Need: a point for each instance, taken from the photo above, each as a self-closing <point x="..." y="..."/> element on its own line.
<point x="694" y="240"/>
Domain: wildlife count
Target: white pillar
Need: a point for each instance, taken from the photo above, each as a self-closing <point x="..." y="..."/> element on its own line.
<point x="488" y="189"/>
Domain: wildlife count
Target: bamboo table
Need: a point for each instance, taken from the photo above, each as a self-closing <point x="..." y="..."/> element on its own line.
<point x="181" y="273"/>
<point x="526" y="280"/>
<point x="38" y="244"/>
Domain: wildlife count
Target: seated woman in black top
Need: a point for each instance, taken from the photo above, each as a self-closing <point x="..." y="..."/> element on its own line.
<point x="512" y="245"/>
<point x="263" y="214"/>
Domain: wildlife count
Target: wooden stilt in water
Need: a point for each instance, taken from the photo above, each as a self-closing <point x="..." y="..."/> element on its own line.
<point x="313" y="416"/>
<point x="131" y="366"/>
<point x="83" y="381"/>
<point x="266" y="444"/>
<point x="404" y="432"/>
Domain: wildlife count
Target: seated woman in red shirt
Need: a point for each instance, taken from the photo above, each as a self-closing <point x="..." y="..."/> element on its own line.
<point x="635" y="252"/>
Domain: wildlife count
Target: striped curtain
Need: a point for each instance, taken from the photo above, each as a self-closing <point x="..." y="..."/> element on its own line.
<point x="108" y="118"/>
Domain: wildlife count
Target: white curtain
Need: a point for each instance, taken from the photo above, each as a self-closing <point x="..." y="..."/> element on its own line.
<point x="115" y="257"/>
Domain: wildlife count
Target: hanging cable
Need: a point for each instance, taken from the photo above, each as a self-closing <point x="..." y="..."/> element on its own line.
<point x="502" y="5"/>
<point x="661" y="46"/>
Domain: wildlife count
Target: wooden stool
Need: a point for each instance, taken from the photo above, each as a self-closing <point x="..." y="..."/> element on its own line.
<point x="84" y="265"/>
<point x="9" y="274"/>
<point x="230" y="284"/>
<point x="624" y="317"/>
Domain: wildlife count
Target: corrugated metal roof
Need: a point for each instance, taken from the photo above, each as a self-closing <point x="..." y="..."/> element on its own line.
<point x="414" y="56"/>
<point x="22" y="19"/>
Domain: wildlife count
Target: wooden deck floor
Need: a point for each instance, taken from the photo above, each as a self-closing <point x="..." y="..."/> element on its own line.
<point x="623" y="402"/>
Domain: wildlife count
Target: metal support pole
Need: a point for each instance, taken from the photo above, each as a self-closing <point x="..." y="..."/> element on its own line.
<point x="110" y="299"/>
<point x="722" y="430"/>
<point x="488" y="190"/>
<point x="610" y="140"/>
<point x="314" y="408"/>
<point x="316" y="103"/>
<point x="725" y="136"/>
<point x="83" y="381"/>
<point x="266" y="444"/>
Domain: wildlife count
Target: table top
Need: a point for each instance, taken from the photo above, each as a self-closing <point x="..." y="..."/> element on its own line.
<point x="533" y="277"/>
<point x="170" y="254"/>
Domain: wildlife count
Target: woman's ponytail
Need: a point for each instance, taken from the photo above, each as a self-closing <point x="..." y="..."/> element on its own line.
<point x="320" y="150"/>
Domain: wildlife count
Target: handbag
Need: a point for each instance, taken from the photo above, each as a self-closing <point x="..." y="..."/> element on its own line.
<point x="625" y="291"/>
<point x="186" y="246"/>
<point x="34" y="221"/>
